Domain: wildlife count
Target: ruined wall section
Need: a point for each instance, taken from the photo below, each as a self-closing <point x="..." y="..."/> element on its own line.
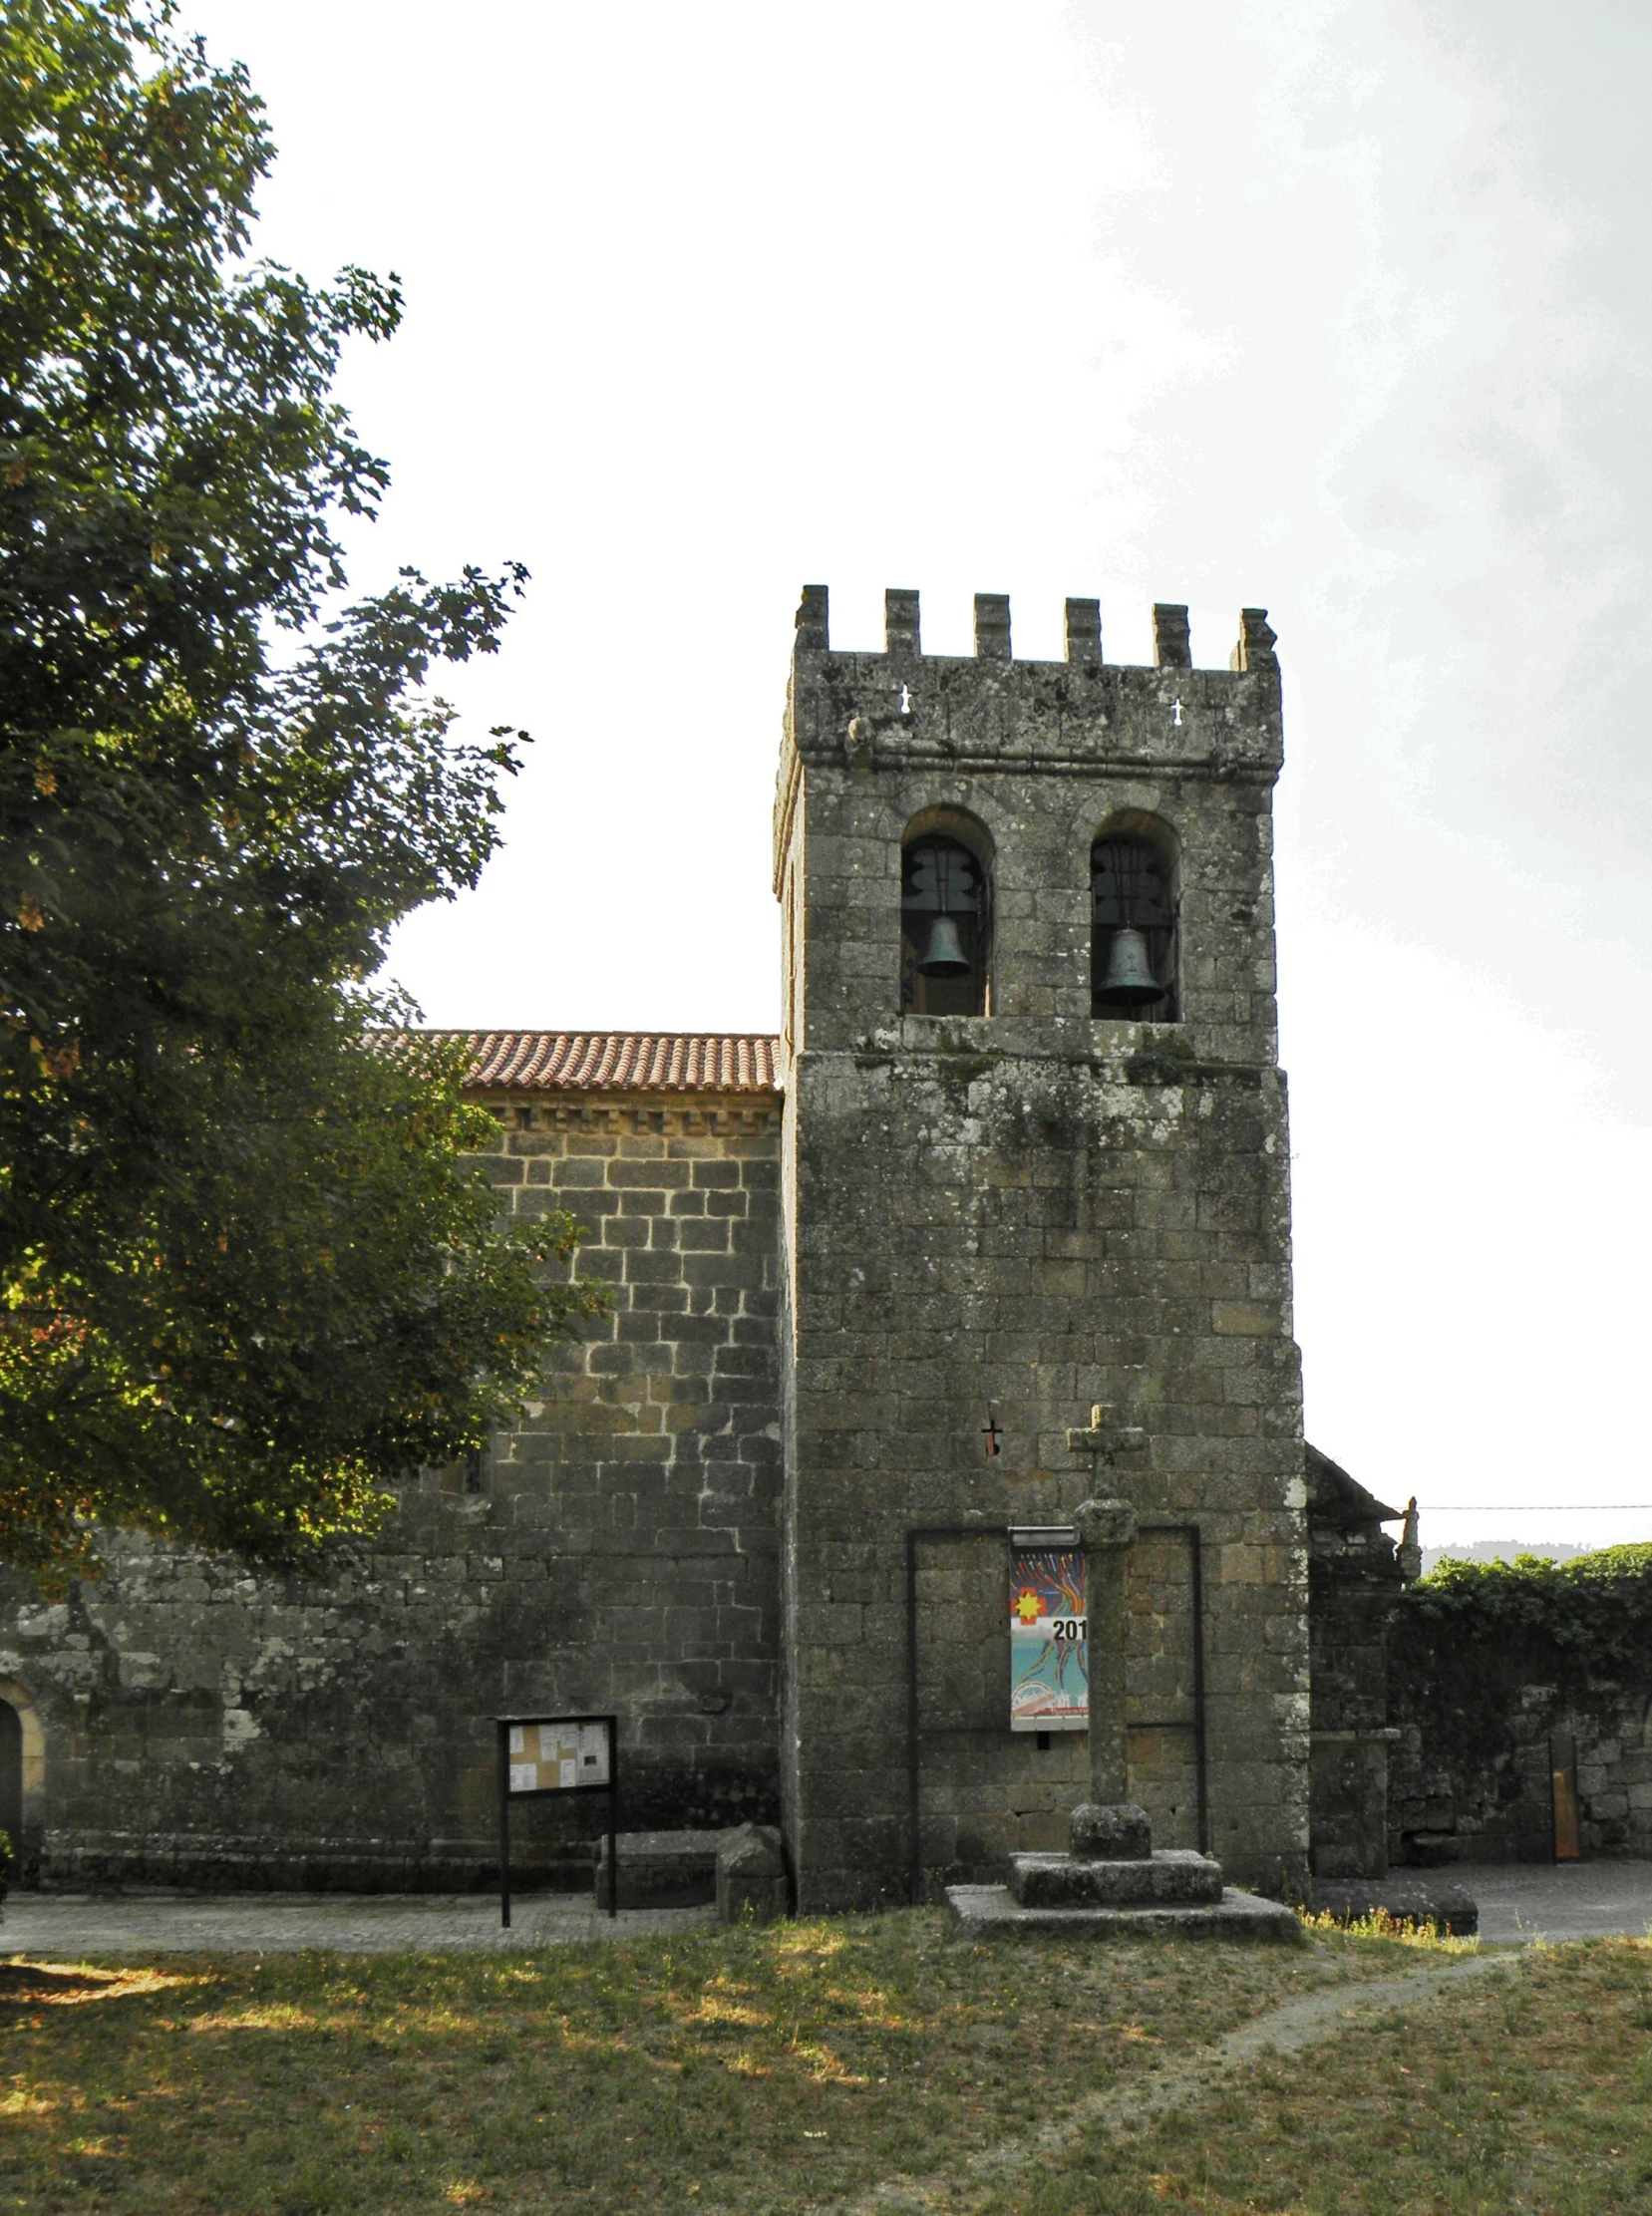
<point x="1496" y="1804"/>
<point x="206" y="1726"/>
<point x="1034" y="1211"/>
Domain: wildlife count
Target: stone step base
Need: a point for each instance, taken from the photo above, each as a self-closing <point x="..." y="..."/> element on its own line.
<point x="992" y="1911"/>
<point x="1174" y="1877"/>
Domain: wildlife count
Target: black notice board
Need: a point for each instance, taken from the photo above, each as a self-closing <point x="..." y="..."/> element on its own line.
<point x="543" y="1754"/>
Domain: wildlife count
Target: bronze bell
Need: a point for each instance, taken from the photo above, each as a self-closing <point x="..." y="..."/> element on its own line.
<point x="1128" y="981"/>
<point x="944" y="953"/>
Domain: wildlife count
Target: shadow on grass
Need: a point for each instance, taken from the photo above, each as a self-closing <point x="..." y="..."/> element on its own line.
<point x="36" y="1984"/>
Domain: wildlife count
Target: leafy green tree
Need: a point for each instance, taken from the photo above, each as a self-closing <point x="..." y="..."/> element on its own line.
<point x="245" y="1277"/>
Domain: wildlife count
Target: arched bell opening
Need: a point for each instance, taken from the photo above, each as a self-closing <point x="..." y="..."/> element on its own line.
<point x="945" y="916"/>
<point x="1134" y="955"/>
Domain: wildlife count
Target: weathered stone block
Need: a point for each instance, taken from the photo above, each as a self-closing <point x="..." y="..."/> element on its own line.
<point x="751" y="1875"/>
<point x="1171" y="1877"/>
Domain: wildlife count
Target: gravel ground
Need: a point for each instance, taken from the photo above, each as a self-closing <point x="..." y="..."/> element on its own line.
<point x="1518" y="1902"/>
<point x="75" y="1924"/>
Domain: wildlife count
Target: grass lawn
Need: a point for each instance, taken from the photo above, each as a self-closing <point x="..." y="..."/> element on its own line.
<point x="749" y="2071"/>
<point x="774" y="2071"/>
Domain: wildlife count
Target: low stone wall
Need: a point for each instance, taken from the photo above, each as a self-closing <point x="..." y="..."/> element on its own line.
<point x="1496" y="1804"/>
<point x="1500" y="1674"/>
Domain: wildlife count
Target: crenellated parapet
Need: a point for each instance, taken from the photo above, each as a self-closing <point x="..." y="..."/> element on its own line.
<point x="904" y="709"/>
<point x="1029" y="767"/>
<point x="902" y="630"/>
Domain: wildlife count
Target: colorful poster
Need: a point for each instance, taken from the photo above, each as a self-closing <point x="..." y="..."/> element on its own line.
<point x="552" y="1757"/>
<point x="1049" y="1656"/>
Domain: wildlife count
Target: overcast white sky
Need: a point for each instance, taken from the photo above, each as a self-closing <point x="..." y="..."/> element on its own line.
<point x="1339" y="309"/>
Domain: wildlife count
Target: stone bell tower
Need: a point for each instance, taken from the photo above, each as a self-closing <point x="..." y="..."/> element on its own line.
<point x="1035" y="1161"/>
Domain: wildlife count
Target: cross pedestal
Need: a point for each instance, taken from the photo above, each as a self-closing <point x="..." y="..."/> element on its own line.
<point x="1112" y="1881"/>
<point x="1108" y="1824"/>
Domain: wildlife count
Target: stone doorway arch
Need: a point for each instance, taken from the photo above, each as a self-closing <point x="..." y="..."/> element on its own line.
<point x="22" y="1771"/>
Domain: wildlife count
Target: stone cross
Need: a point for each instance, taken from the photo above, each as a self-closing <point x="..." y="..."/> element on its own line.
<point x="1104" y="1440"/>
<point x="1107" y="1532"/>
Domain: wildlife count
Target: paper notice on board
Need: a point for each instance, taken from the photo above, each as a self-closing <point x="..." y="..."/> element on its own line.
<point x="558" y="1755"/>
<point x="593" y="1754"/>
<point x="1049" y="1641"/>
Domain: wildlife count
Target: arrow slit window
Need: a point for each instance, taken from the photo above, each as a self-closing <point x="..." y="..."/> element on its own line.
<point x="1133" y="950"/>
<point x="945" y="927"/>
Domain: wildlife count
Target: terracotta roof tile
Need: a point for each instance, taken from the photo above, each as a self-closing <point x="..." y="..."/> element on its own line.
<point x="623" y="1061"/>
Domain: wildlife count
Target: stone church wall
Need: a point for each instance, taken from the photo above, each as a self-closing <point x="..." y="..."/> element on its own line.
<point x="202" y="1725"/>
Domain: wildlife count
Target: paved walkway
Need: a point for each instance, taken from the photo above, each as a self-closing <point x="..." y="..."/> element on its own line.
<point x="78" y="1924"/>
<point x="1518" y="1902"/>
<point x="1560" y="1900"/>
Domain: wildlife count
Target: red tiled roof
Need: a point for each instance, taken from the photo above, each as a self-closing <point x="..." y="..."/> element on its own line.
<point x="623" y="1061"/>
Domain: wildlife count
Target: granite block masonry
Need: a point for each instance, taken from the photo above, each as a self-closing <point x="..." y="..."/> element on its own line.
<point x="1021" y="1149"/>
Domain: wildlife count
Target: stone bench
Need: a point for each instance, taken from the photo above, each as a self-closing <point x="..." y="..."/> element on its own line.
<point x="741" y="1869"/>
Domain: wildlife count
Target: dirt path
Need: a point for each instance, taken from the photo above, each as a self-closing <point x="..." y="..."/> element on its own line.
<point x="1146" y="2095"/>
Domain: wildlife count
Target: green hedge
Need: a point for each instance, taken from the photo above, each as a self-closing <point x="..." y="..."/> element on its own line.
<point x="1470" y="1636"/>
<point x="1593" y="1614"/>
